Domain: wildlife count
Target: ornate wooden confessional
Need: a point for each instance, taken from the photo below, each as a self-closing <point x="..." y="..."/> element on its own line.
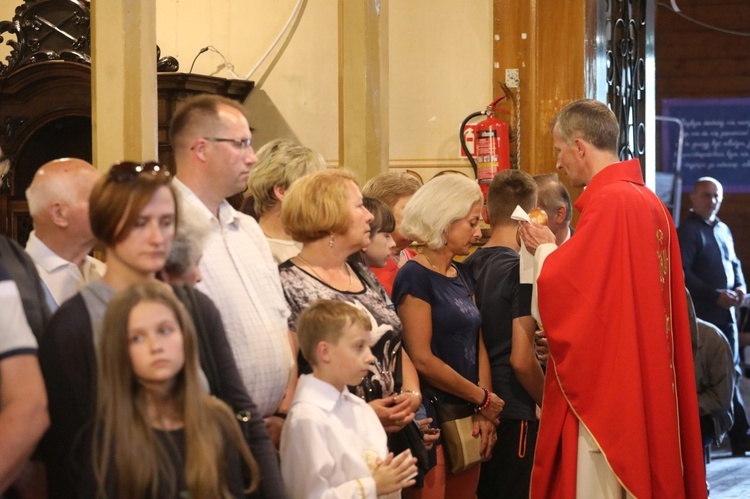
<point x="45" y="97"/>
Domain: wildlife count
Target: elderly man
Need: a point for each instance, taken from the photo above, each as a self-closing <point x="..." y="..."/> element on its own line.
<point x="62" y="240"/>
<point x="23" y="401"/>
<point x="213" y="152"/>
<point x="713" y="275"/>
<point x="553" y="197"/>
<point x="620" y="413"/>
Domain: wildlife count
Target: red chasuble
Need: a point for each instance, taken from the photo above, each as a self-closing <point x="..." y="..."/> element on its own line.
<point x="612" y="302"/>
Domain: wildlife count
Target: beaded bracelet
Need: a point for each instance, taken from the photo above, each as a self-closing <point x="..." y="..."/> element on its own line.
<point x="486" y="402"/>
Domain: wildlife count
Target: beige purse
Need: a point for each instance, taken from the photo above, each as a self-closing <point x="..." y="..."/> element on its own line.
<point x="461" y="448"/>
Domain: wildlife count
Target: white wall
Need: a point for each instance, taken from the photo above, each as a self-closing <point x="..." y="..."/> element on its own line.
<point x="440" y="68"/>
<point x="441" y="71"/>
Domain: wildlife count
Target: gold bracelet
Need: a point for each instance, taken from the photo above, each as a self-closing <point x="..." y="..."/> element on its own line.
<point x="413" y="392"/>
<point x="361" y="489"/>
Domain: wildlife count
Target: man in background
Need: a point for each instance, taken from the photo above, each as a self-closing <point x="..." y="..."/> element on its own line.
<point x="553" y="197"/>
<point x="713" y="275"/>
<point x="62" y="240"/>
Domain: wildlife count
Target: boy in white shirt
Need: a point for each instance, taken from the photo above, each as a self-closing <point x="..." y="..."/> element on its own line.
<point x="333" y="444"/>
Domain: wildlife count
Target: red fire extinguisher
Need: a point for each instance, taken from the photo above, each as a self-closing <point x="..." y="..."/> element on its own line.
<point x="491" y="145"/>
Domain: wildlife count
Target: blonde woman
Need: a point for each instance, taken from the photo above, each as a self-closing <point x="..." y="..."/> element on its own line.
<point x="280" y="163"/>
<point x="434" y="299"/>
<point x="325" y="212"/>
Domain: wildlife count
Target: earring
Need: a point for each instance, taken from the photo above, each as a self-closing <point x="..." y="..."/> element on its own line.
<point x="330" y="242"/>
<point x="445" y="242"/>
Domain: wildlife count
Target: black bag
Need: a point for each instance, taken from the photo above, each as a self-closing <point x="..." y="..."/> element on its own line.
<point x="410" y="437"/>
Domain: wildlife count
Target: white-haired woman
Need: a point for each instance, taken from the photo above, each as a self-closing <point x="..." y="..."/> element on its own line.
<point x="434" y="299"/>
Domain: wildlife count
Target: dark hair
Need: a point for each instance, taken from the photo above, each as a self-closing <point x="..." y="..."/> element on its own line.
<point x="510" y="188"/>
<point x="383" y="219"/>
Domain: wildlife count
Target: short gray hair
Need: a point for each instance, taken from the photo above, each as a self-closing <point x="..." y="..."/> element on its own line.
<point x="436" y="205"/>
<point x="187" y="247"/>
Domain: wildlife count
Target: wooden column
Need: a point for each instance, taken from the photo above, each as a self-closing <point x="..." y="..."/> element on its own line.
<point x="549" y="42"/>
<point x="363" y="87"/>
<point x="123" y="81"/>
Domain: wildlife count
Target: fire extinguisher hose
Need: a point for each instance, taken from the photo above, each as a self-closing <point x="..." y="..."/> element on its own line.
<point x="463" y="140"/>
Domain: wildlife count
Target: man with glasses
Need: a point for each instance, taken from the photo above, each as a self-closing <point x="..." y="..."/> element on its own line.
<point x="213" y="152"/>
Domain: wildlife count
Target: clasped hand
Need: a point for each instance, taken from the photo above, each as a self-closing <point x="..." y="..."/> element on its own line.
<point x="394" y="412"/>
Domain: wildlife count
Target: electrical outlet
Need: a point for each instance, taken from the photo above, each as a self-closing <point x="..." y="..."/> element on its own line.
<point x="511" y="78"/>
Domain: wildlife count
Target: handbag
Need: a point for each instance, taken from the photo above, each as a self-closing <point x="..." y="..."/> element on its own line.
<point x="460" y="446"/>
<point x="410" y="437"/>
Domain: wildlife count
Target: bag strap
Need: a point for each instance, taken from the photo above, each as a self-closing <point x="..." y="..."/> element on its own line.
<point x="460" y="275"/>
<point x="187" y="296"/>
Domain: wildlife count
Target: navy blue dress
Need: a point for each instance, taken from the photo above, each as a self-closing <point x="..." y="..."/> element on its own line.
<point x="456" y="320"/>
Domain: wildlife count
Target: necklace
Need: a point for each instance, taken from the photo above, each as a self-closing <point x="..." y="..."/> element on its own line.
<point x="309" y="266"/>
<point x="437" y="269"/>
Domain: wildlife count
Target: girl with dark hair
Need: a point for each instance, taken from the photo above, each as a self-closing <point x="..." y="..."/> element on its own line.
<point x="376" y="253"/>
<point x="157" y="433"/>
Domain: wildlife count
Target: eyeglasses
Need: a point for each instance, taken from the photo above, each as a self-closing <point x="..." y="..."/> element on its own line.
<point x="241" y="144"/>
<point x="126" y="171"/>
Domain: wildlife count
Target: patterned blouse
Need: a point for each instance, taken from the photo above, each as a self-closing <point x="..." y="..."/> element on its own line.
<point x="302" y="288"/>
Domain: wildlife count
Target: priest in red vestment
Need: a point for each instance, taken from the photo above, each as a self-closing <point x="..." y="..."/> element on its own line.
<point x="612" y="303"/>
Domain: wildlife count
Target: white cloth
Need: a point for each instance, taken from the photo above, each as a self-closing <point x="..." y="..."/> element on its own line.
<point x="15" y="334"/>
<point x="282" y="249"/>
<point x="240" y="276"/>
<point x="531" y="265"/>
<point x="594" y="477"/>
<point x="327" y="442"/>
<point x="62" y="279"/>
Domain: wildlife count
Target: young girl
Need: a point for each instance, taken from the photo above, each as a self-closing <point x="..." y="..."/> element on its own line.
<point x="157" y="434"/>
<point x="376" y="254"/>
<point x="133" y="213"/>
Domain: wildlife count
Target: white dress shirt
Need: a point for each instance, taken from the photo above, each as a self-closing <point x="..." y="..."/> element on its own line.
<point x="241" y="277"/>
<point x="329" y="443"/>
<point x="62" y="279"/>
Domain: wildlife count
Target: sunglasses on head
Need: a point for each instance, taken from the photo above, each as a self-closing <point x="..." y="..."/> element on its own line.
<point x="126" y="171"/>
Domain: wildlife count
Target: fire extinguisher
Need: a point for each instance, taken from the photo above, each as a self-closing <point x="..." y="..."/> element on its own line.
<point x="491" y="145"/>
